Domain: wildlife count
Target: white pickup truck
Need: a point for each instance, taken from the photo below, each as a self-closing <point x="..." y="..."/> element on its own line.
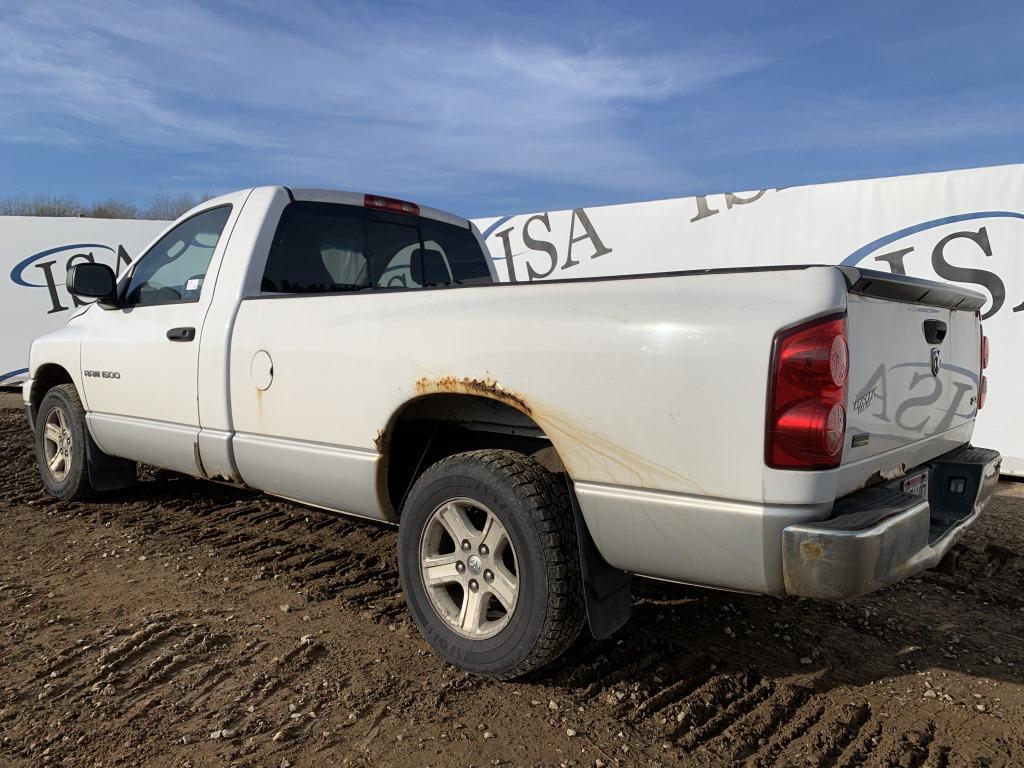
<point x="787" y="431"/>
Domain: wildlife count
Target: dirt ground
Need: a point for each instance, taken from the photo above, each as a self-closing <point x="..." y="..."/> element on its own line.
<point x="189" y="624"/>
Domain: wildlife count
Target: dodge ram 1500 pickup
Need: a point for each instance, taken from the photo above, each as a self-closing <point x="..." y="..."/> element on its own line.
<point x="786" y="431"/>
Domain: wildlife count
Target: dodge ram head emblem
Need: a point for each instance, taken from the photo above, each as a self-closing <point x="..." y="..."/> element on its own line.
<point x="936" y="355"/>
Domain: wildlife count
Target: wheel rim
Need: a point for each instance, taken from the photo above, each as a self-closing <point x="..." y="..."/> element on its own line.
<point x="469" y="568"/>
<point x="57" y="443"/>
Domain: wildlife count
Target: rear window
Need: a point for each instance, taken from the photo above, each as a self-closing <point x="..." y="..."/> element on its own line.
<point x="317" y="253"/>
<point x="329" y="248"/>
<point x="460" y="250"/>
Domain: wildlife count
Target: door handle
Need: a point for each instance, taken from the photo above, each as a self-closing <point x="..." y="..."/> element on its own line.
<point x="934" y="331"/>
<point x="181" y="334"/>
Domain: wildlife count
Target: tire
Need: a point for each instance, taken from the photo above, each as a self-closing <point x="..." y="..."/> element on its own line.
<point x="60" y="429"/>
<point x="510" y="500"/>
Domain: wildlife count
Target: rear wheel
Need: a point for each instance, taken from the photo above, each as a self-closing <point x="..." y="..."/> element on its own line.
<point x="61" y="444"/>
<point x="489" y="562"/>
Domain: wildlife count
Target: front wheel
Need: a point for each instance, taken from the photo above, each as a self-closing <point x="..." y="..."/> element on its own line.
<point x="60" y="444"/>
<point x="489" y="563"/>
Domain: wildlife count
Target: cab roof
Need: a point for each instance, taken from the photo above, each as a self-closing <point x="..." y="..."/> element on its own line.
<point x="360" y="199"/>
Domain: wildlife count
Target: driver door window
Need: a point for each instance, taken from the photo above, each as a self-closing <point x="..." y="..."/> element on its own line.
<point x="173" y="270"/>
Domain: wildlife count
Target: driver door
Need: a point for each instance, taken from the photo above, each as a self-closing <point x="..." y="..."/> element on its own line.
<point x="140" y="362"/>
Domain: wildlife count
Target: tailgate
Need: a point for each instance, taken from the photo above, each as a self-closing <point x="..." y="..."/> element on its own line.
<point x="915" y="366"/>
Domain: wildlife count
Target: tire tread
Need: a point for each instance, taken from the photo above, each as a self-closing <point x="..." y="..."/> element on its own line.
<point x="80" y="488"/>
<point x="545" y="497"/>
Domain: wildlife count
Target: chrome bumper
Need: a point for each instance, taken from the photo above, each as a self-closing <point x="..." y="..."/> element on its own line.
<point x="881" y="535"/>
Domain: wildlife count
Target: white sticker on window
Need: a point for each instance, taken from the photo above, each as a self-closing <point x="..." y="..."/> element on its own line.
<point x="192" y="284"/>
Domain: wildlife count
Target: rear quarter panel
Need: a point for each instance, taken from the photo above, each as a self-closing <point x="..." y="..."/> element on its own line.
<point x="655" y="383"/>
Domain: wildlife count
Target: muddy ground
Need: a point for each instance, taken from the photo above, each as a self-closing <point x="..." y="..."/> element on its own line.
<point x="189" y="624"/>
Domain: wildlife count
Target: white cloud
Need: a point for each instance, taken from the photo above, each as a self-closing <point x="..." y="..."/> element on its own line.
<point x="313" y="94"/>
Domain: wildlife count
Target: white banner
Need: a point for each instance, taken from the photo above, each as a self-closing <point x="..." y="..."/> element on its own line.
<point x="964" y="227"/>
<point x="35" y="254"/>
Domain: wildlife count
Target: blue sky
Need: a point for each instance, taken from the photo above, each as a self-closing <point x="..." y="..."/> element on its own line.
<point x="501" y="108"/>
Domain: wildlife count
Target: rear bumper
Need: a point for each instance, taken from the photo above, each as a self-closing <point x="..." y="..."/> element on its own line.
<point x="881" y="535"/>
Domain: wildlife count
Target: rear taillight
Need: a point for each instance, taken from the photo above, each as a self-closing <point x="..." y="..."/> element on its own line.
<point x="391" y="204"/>
<point x="982" y="392"/>
<point x="807" y="396"/>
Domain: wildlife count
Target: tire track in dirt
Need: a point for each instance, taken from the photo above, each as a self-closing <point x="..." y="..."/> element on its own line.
<point x="715" y="708"/>
<point x="175" y="662"/>
<point x="205" y="667"/>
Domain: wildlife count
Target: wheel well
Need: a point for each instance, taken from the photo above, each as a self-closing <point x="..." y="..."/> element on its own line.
<point x="433" y="427"/>
<point x="46" y="378"/>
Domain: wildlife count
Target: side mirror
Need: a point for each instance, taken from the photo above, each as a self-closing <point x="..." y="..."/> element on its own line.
<point x="92" y="281"/>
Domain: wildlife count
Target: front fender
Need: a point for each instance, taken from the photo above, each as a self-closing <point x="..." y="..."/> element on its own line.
<point x="60" y="349"/>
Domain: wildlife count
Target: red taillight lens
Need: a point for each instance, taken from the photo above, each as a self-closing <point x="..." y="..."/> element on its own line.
<point x="391" y="204"/>
<point x="982" y="392"/>
<point x="807" y="396"/>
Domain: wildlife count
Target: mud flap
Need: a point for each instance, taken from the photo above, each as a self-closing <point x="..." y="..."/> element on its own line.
<point x="607" y="590"/>
<point x="107" y="473"/>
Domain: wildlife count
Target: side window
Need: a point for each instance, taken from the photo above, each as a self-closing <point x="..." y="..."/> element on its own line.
<point x="317" y="248"/>
<point x="173" y="270"/>
<point x="457" y="249"/>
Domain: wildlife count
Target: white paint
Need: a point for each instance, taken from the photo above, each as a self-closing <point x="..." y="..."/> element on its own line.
<point x="892" y="395"/>
<point x="650" y="389"/>
<point x="819" y="224"/>
<point x="159" y="378"/>
<point x="823" y="223"/>
<point x="262" y="370"/>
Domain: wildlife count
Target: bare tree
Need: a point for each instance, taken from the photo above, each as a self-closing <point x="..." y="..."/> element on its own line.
<point x="169" y="206"/>
<point x="165" y="206"/>
<point x="114" y="208"/>
<point x="40" y="205"/>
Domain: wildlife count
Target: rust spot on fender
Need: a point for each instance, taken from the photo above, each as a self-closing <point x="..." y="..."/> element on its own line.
<point x="466" y="385"/>
<point x="812" y="549"/>
<point x="381" y="441"/>
<point x="578" y="447"/>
